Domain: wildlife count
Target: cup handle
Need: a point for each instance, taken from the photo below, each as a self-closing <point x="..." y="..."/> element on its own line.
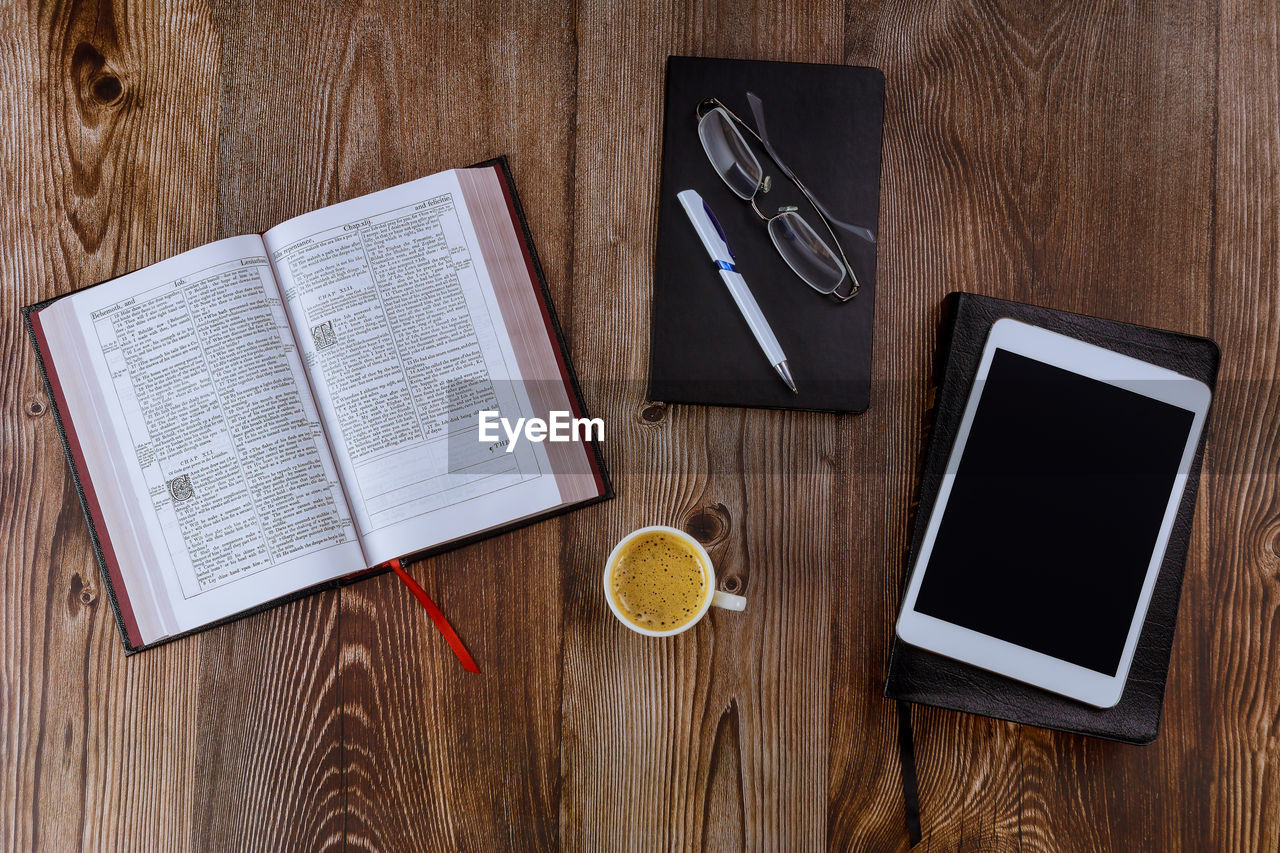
<point x="728" y="601"/>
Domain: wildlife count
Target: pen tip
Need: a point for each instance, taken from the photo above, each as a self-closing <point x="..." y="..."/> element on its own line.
<point x="785" y="372"/>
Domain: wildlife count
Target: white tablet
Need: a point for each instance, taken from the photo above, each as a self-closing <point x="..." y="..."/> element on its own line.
<point x="1053" y="515"/>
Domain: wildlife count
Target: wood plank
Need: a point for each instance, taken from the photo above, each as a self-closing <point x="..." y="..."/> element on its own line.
<point x="269" y="769"/>
<point x="475" y="81"/>
<point x="107" y="149"/>
<point x="430" y="756"/>
<point x="1118" y="233"/>
<point x="950" y="192"/>
<point x="272" y="706"/>
<point x="1035" y="168"/>
<point x="715" y="738"/>
<point x="1238" y="661"/>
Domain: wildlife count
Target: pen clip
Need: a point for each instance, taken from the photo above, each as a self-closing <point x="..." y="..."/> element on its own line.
<point x="719" y="230"/>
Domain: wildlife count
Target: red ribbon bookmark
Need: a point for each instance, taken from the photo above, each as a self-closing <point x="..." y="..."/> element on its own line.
<point x="442" y="624"/>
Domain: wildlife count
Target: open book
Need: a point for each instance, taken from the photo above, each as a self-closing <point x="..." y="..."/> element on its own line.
<point x="269" y="413"/>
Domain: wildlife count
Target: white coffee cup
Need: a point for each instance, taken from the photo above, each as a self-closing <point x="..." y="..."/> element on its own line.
<point x="714" y="597"/>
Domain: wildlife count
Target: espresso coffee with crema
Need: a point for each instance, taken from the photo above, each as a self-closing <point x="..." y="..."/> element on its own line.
<point x="658" y="582"/>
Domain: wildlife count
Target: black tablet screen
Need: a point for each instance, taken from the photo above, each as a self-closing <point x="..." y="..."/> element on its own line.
<point x="1055" y="511"/>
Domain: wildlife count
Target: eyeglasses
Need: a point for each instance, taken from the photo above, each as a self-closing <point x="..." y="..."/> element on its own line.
<point x="804" y="250"/>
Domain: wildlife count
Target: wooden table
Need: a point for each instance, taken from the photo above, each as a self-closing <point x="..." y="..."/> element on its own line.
<point x="1094" y="157"/>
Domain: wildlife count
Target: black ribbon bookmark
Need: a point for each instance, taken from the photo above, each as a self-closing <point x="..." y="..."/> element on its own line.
<point x="907" y="757"/>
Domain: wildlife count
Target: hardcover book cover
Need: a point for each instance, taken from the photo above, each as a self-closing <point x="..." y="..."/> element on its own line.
<point x="920" y="676"/>
<point x="823" y="122"/>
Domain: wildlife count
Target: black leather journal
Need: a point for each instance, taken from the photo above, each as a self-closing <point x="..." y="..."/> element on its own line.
<point x="823" y="122"/>
<point x="916" y="675"/>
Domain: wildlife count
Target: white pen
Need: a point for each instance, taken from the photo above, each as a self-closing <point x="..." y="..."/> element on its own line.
<point x="712" y="235"/>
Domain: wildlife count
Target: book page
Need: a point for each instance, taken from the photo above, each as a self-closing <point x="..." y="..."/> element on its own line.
<point x="404" y="341"/>
<point x="201" y="436"/>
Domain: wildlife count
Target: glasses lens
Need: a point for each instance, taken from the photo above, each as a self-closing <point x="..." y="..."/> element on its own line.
<point x="806" y="252"/>
<point x="728" y="152"/>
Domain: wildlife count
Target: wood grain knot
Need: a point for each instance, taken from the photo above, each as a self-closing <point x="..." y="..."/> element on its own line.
<point x="106" y="90"/>
<point x="653" y="412"/>
<point x="81" y="593"/>
<point x="36" y="407"/>
<point x="94" y="82"/>
<point x="709" y="524"/>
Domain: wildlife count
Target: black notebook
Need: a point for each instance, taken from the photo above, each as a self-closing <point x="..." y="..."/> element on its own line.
<point x="916" y="675"/>
<point x="274" y="413"/>
<point x="823" y="122"/>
